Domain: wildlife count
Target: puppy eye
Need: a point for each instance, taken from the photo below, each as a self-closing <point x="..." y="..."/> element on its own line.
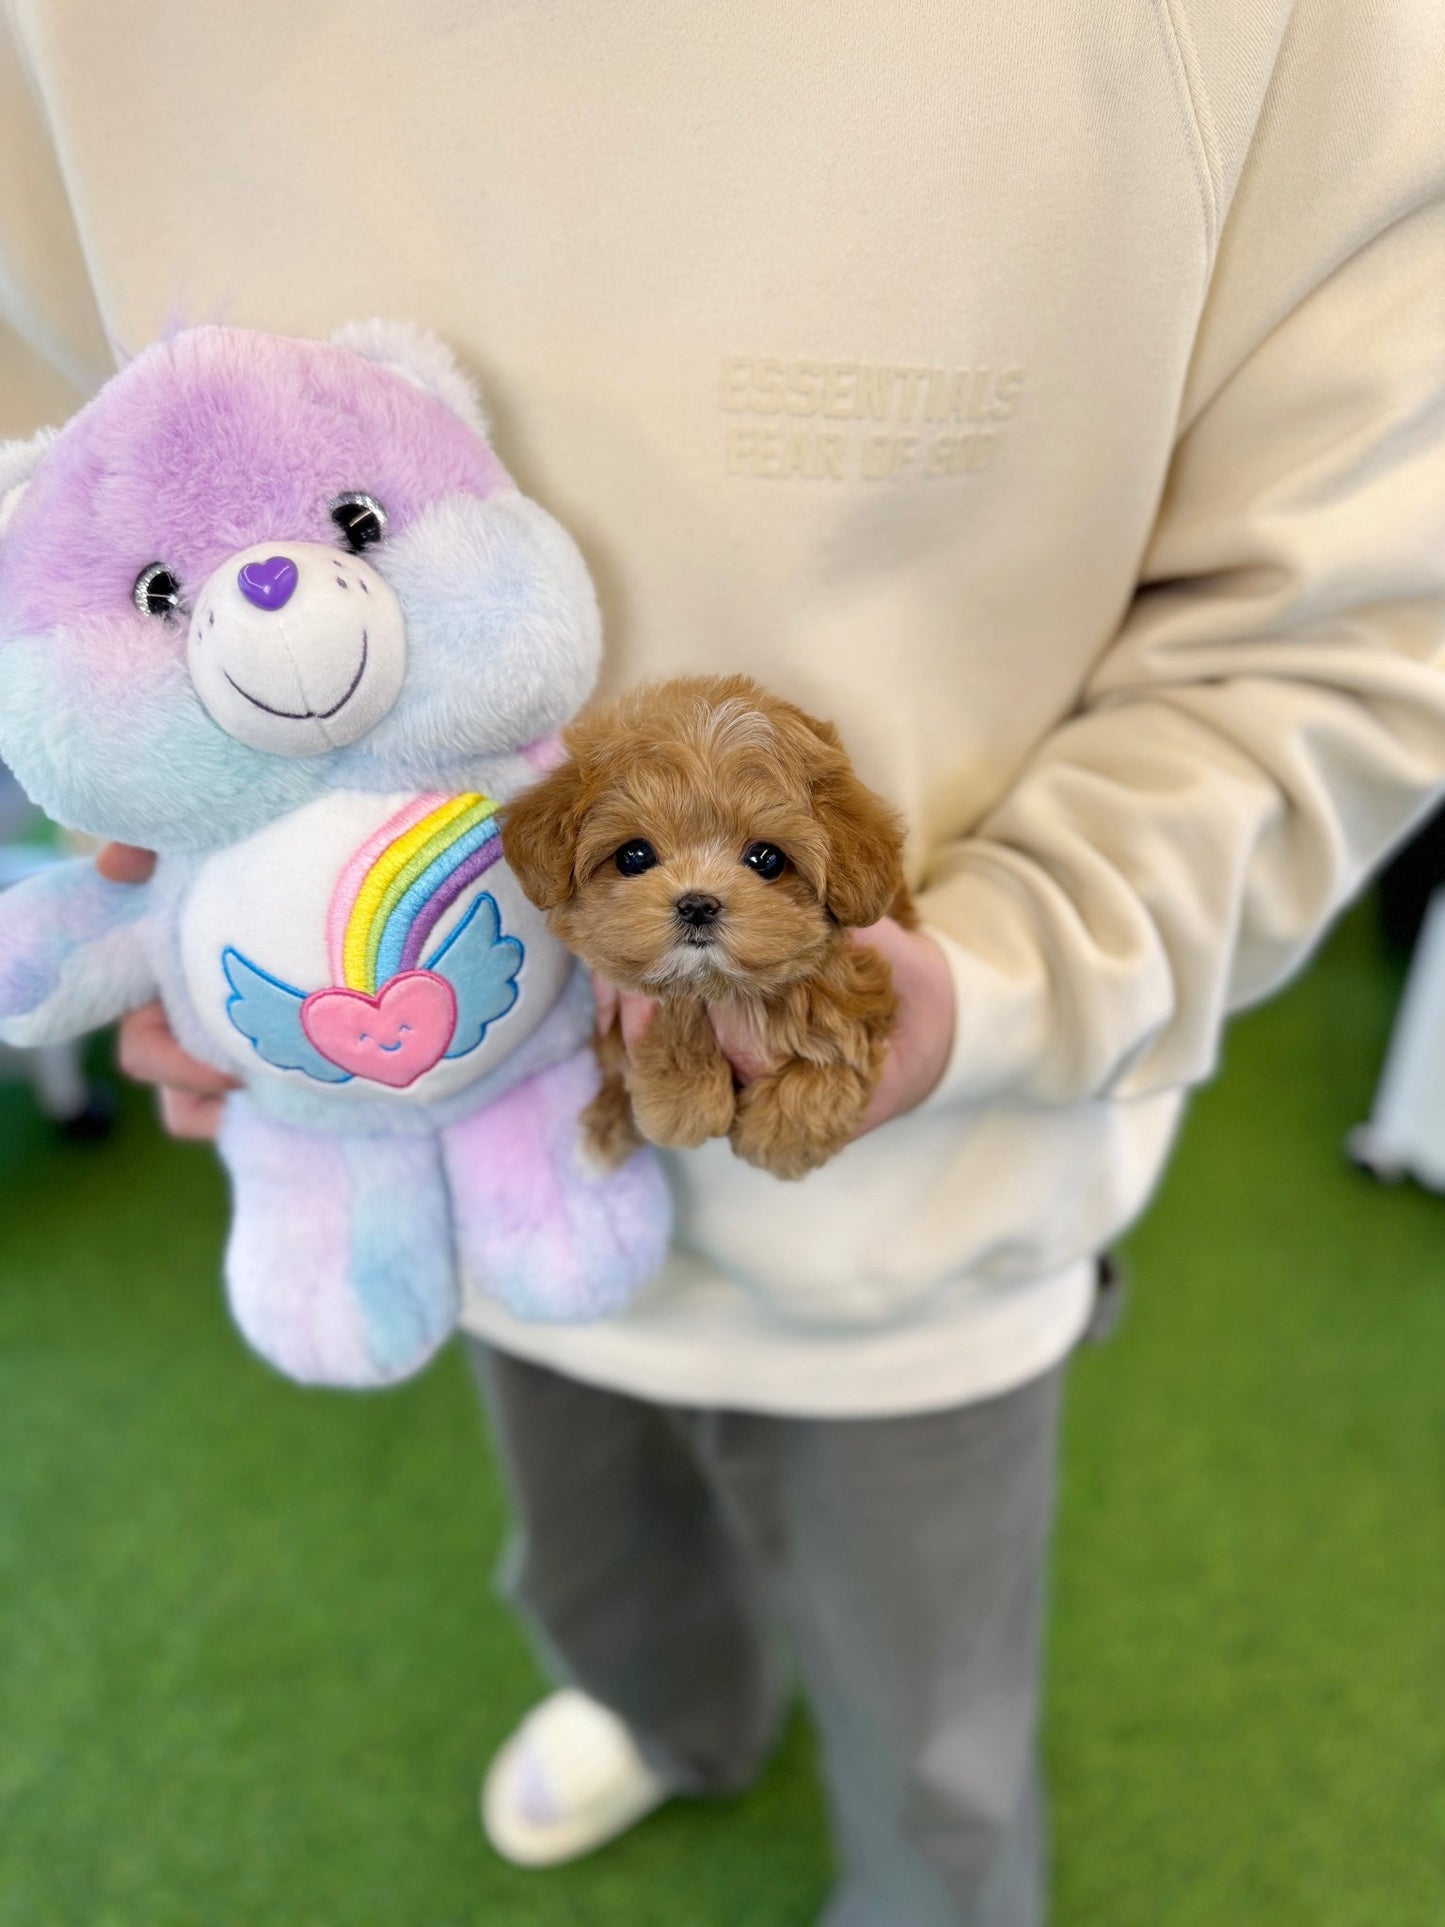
<point x="157" y="592"/>
<point x="361" y="520"/>
<point x="635" y="857"/>
<point x="767" y="859"/>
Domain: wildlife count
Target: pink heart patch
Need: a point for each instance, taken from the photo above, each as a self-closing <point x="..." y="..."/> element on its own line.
<point x="392" y="1038"/>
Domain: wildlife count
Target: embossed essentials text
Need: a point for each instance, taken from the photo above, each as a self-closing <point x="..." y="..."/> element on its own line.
<point x="818" y="420"/>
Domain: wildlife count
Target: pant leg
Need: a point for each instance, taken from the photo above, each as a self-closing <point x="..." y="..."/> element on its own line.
<point x="913" y="1582"/>
<point x="630" y="1577"/>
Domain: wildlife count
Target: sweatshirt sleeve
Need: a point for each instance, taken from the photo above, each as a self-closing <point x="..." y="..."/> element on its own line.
<point x="1270" y="718"/>
<point x="53" y="349"/>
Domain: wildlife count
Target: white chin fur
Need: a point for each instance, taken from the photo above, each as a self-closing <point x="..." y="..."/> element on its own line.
<point x="687" y="961"/>
<point x="313" y="670"/>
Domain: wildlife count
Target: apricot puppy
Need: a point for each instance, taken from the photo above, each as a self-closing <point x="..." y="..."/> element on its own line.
<point x="706" y="842"/>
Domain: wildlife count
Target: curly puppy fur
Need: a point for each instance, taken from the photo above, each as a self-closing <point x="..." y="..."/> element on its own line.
<point x="700" y="772"/>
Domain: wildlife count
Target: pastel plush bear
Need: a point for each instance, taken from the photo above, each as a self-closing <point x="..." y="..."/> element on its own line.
<point x="274" y="609"/>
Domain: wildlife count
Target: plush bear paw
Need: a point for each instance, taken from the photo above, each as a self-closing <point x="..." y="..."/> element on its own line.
<point x="540" y="1225"/>
<point x="339" y="1269"/>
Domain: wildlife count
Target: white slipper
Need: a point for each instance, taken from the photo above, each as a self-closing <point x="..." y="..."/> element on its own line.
<point x="568" y="1780"/>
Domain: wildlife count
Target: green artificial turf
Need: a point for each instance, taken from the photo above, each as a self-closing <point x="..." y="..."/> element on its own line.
<point x="251" y="1664"/>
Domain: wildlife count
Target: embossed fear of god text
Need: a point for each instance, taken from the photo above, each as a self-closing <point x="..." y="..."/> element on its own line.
<point x="817" y="420"/>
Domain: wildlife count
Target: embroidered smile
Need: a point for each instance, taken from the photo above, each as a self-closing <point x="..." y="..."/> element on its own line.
<point x="305" y="715"/>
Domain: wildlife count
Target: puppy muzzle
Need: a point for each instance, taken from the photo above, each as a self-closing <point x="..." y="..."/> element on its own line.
<point x="698" y="912"/>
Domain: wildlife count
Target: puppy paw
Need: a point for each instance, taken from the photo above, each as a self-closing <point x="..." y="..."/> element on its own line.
<point x="793" y="1121"/>
<point x="681" y="1115"/>
<point x="681" y="1084"/>
<point x="609" y="1130"/>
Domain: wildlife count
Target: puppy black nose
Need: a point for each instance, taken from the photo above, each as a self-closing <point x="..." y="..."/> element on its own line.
<point x="696" y="909"/>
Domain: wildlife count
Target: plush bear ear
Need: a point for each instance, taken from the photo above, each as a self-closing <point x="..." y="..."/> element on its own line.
<point x="421" y="358"/>
<point x="18" y="462"/>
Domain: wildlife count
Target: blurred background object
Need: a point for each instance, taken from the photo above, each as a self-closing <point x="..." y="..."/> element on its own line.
<point x="1405" y="1135"/>
<point x="82" y="1106"/>
<point x="1407" y="884"/>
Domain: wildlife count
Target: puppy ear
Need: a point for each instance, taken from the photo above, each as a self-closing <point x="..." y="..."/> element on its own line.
<point x="539" y="834"/>
<point x="865" y="847"/>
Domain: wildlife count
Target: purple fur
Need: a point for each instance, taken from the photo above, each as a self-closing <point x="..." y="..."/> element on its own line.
<point x="218" y="441"/>
<point x="536" y="1228"/>
<point x="339" y="1266"/>
<point x="212" y="441"/>
<point x="48" y="922"/>
<point x="286" y="1268"/>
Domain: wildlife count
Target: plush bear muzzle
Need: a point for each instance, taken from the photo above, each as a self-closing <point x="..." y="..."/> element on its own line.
<point x="295" y="648"/>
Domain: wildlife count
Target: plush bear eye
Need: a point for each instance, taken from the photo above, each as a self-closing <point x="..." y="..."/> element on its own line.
<point x="156" y="591"/>
<point x="635" y="857"/>
<point x="767" y="859"/>
<point x="361" y="520"/>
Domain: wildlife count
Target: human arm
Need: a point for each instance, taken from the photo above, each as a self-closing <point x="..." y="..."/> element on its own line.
<point x="1270" y="717"/>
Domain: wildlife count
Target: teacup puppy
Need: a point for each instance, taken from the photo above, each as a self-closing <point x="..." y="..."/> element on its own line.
<point x="707" y="842"/>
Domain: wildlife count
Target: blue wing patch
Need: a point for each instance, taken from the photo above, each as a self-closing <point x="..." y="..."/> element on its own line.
<point x="481" y="965"/>
<point x="268" y="1014"/>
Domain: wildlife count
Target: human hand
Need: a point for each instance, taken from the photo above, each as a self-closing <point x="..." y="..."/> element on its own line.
<point x="191" y="1093"/>
<point x="918" y="1050"/>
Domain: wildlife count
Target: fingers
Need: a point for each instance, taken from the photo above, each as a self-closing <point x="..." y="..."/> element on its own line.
<point x="124" y="863"/>
<point x="150" y="1054"/>
<point x="739" y="1040"/>
<point x="605" y="996"/>
<point x="890" y="939"/>
<point x="623" y="1007"/>
<point x="918" y="1051"/>
<point x="188" y="1116"/>
<point x="636" y="1013"/>
<point x="892" y="1094"/>
<point x="920" y="1047"/>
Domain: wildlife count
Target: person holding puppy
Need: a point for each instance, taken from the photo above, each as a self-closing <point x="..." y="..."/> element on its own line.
<point x="1053" y="399"/>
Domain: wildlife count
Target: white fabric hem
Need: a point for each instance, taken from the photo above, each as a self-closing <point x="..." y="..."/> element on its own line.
<point x="702" y="1343"/>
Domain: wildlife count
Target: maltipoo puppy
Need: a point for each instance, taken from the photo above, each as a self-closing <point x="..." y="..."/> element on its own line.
<point x="705" y="842"/>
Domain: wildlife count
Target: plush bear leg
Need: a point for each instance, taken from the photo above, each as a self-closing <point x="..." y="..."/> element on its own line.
<point x="340" y="1266"/>
<point x="539" y="1225"/>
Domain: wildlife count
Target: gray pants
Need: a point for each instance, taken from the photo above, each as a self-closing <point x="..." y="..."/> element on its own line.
<point x="661" y="1549"/>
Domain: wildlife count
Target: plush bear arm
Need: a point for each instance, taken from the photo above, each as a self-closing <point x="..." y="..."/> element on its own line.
<point x="73" y="954"/>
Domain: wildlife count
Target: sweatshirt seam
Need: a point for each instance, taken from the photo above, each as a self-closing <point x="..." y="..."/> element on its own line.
<point x="1190" y="93"/>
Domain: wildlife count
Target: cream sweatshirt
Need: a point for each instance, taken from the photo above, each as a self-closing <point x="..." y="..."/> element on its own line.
<point x="1053" y="393"/>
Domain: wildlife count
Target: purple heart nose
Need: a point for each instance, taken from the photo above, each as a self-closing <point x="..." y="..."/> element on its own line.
<point x="269" y="584"/>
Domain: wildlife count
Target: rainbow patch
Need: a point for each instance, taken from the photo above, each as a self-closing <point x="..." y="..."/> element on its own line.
<point x="401" y="883"/>
<point x="391" y="1012"/>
